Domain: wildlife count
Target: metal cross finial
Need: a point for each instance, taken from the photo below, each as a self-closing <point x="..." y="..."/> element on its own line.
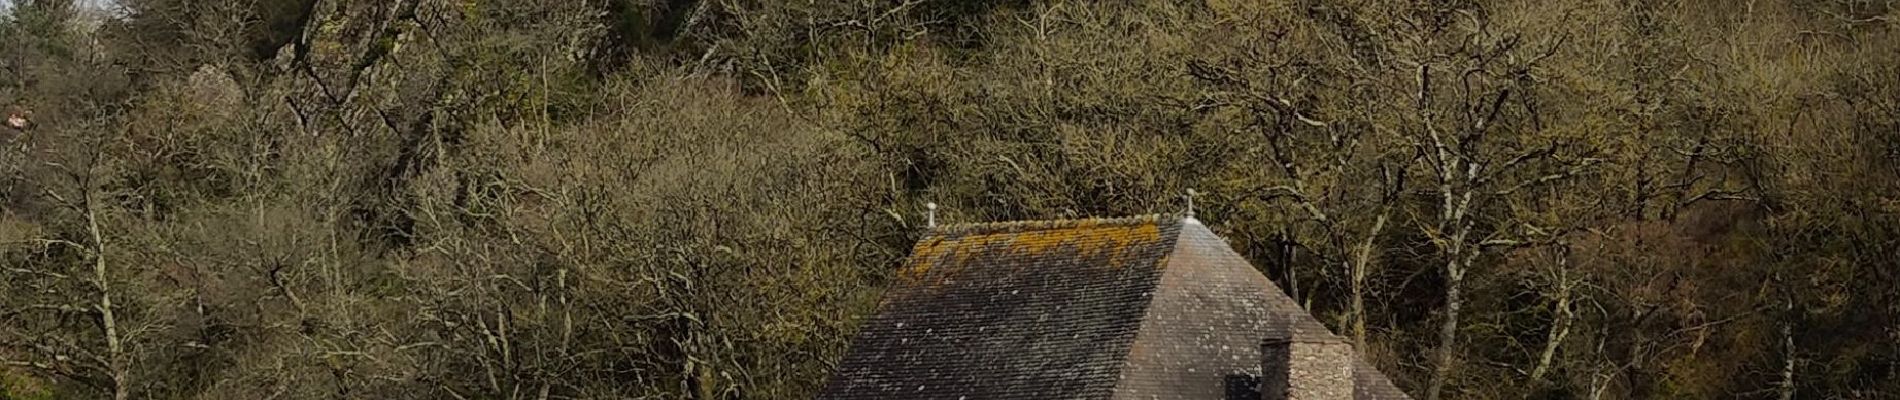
<point x="930" y="216"/>
<point x="1190" y="203"/>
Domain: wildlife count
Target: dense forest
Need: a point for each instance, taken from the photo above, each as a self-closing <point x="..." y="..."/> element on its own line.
<point x="579" y="199"/>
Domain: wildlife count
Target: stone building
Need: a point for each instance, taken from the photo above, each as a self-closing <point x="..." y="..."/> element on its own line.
<point x="1153" y="307"/>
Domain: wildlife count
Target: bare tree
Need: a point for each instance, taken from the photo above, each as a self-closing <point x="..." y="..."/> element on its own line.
<point x="1320" y="165"/>
<point x="1480" y="148"/>
<point x="1564" y="283"/>
<point x="77" y="191"/>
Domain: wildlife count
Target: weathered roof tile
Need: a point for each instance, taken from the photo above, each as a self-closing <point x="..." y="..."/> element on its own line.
<point x="1069" y="309"/>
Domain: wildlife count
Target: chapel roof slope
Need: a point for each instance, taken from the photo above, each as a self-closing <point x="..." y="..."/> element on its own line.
<point x="1052" y="309"/>
<point x="1019" y="310"/>
<point x="1211" y="310"/>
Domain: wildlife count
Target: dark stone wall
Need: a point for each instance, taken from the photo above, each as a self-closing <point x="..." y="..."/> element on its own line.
<point x="1275" y="354"/>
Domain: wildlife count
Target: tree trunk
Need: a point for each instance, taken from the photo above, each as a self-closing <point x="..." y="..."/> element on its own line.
<point x="1455" y="264"/>
<point x="1452" y="218"/>
<point x="1292" y="276"/>
<point x="1786" y="388"/>
<point x="1560" y="327"/>
<point x="1360" y="266"/>
<point x="109" y="324"/>
<point x="1447" y="329"/>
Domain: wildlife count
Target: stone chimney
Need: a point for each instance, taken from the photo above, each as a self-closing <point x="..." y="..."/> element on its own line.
<point x="1306" y="367"/>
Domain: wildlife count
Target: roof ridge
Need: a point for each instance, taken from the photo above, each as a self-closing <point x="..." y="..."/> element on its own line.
<point x="1035" y="225"/>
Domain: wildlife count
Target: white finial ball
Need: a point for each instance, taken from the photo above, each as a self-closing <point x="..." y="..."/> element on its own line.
<point x="932" y="206"/>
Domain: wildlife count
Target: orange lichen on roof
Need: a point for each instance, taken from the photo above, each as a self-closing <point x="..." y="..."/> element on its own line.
<point x="919" y="261"/>
<point x="1089" y="242"/>
<point x="1101" y="239"/>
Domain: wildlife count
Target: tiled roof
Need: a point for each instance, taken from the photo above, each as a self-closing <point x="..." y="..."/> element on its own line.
<point x="1033" y="310"/>
<point x="1142" y="307"/>
<point x="1369" y="384"/>
<point x="1210" y="312"/>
